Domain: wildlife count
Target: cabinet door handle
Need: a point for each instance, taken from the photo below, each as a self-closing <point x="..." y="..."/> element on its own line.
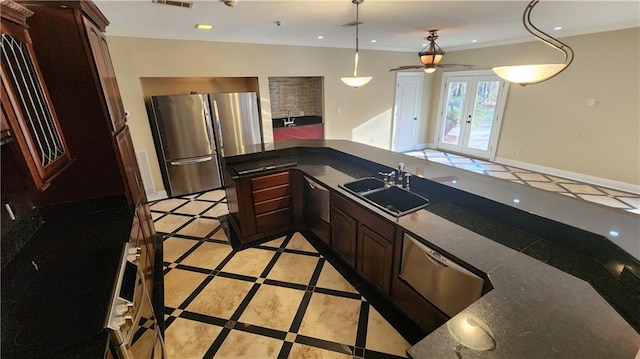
<point x="7" y="206"/>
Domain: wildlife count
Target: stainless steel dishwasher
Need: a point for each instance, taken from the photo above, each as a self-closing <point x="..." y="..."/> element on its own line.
<point x="447" y="285"/>
<point x="316" y="199"/>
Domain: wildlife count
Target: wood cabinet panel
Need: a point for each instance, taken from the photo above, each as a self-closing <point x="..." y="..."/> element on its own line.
<point x="27" y="107"/>
<point x="270" y="180"/>
<point x="343" y="235"/>
<point x="375" y="258"/>
<point x="106" y="75"/>
<point x="273" y="204"/>
<point x="274" y="220"/>
<point x="129" y="163"/>
<point x="271" y="193"/>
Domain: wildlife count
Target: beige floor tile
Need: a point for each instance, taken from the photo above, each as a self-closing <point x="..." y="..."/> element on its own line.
<point x="560" y="179"/>
<point x="187" y="339"/>
<point x="330" y="278"/>
<point x="156" y="215"/>
<point x="301" y="351"/>
<point x="632" y="201"/>
<point x="167" y="204"/>
<point x="173" y="248"/>
<point x="247" y="345"/>
<point x="298" y="242"/>
<point x="170" y="223"/>
<point x="604" y="200"/>
<point x="249" y="262"/>
<point x="220" y="235"/>
<point x="194" y="207"/>
<point x="200" y="227"/>
<point x="614" y="192"/>
<point x="581" y="189"/>
<point x="218" y="210"/>
<point x="179" y="284"/>
<point x="532" y="177"/>
<point x="503" y="175"/>
<point x="331" y="318"/>
<point x="276" y="243"/>
<point x="221" y="297"/>
<point x="382" y="337"/>
<point x="273" y="307"/>
<point x="213" y="195"/>
<point x="547" y="186"/>
<point x="304" y="267"/>
<point x="208" y="255"/>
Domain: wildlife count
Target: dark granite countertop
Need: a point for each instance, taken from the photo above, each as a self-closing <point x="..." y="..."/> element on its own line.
<point x="57" y="289"/>
<point x="538" y="307"/>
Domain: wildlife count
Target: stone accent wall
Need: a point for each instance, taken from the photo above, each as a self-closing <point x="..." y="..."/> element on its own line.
<point x="302" y="96"/>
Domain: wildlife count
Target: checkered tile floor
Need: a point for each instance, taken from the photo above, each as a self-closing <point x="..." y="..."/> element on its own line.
<point x="281" y="299"/>
<point x="588" y="192"/>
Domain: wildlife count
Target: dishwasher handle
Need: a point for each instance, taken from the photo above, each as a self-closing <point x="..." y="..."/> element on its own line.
<point x="438" y="259"/>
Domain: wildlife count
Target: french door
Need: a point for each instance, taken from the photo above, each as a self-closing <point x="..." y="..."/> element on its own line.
<point x="470" y="113"/>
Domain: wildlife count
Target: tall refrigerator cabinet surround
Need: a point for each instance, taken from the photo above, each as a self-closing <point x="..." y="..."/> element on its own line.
<point x="191" y="131"/>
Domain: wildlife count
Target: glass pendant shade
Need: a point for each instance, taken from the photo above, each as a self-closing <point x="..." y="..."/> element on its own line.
<point x="533" y="74"/>
<point x="429" y="68"/>
<point x="355" y="80"/>
<point x="430" y="59"/>
<point x="528" y="74"/>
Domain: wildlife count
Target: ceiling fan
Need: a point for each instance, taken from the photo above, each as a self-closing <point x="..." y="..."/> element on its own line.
<point x="430" y="56"/>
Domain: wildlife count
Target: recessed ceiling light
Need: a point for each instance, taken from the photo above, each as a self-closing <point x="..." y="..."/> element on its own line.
<point x="374" y="40"/>
<point x="424" y="45"/>
<point x="516" y="200"/>
<point x="474" y="41"/>
<point x="320" y="37"/>
<point x="614" y="233"/>
<point x="557" y="28"/>
<point x="204" y="26"/>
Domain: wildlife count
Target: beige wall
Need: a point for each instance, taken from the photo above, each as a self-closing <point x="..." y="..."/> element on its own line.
<point x="551" y="123"/>
<point x="368" y="106"/>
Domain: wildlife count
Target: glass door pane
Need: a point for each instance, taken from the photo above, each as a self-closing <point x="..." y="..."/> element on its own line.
<point x="484" y="110"/>
<point x="454" y="110"/>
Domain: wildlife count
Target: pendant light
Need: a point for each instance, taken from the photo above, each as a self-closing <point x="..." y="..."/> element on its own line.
<point x="533" y="74"/>
<point x="356" y="81"/>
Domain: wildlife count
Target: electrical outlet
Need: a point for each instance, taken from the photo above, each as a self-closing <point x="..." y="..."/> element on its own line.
<point x="339" y="110"/>
<point x="517" y="151"/>
<point x="301" y="113"/>
<point x="591" y="102"/>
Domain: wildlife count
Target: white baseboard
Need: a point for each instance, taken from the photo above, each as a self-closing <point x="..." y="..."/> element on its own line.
<point x="422" y="146"/>
<point x="157" y="196"/>
<point x="599" y="181"/>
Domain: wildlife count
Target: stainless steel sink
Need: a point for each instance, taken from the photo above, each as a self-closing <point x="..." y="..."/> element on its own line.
<point x="391" y="199"/>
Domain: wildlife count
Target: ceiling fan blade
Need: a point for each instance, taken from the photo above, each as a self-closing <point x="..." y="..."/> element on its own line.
<point x="455" y="65"/>
<point x="408" y="67"/>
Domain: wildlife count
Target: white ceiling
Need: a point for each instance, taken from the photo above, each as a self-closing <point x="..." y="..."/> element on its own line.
<point x="395" y="25"/>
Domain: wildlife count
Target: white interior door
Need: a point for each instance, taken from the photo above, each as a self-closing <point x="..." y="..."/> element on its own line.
<point x="470" y="113"/>
<point x="406" y="111"/>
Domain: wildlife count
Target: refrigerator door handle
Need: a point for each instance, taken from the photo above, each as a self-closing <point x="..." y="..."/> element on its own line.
<point x="209" y="123"/>
<point x="215" y="109"/>
<point x="191" y="161"/>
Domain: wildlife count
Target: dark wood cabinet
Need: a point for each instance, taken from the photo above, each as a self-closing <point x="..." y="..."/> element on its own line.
<point x="106" y="75"/>
<point x="364" y="240"/>
<point x="344" y="230"/>
<point x="129" y="163"/>
<point x="27" y="111"/>
<point x="263" y="205"/>
<point x="375" y="258"/>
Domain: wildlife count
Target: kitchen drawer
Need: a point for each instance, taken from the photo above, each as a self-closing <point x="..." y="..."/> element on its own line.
<point x="275" y="219"/>
<point x="271" y="193"/>
<point x="261" y="182"/>
<point x="272" y="204"/>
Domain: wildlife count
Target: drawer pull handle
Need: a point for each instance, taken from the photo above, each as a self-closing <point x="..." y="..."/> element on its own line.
<point x="12" y="215"/>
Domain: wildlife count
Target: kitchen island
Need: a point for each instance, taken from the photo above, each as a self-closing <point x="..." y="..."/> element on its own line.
<point x="534" y="309"/>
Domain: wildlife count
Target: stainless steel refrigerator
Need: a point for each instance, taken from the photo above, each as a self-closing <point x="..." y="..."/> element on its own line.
<point x="191" y="131"/>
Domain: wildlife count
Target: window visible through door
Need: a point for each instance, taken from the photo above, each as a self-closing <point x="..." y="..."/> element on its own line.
<point x="470" y="113"/>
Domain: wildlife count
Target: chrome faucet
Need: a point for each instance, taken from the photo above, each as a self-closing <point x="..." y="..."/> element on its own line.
<point x="403" y="177"/>
<point x="289" y="121"/>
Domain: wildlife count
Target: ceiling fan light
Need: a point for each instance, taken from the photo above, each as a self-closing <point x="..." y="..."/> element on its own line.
<point x="356" y="81"/>
<point x="430" y="69"/>
<point x="528" y="74"/>
<point x="428" y="59"/>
